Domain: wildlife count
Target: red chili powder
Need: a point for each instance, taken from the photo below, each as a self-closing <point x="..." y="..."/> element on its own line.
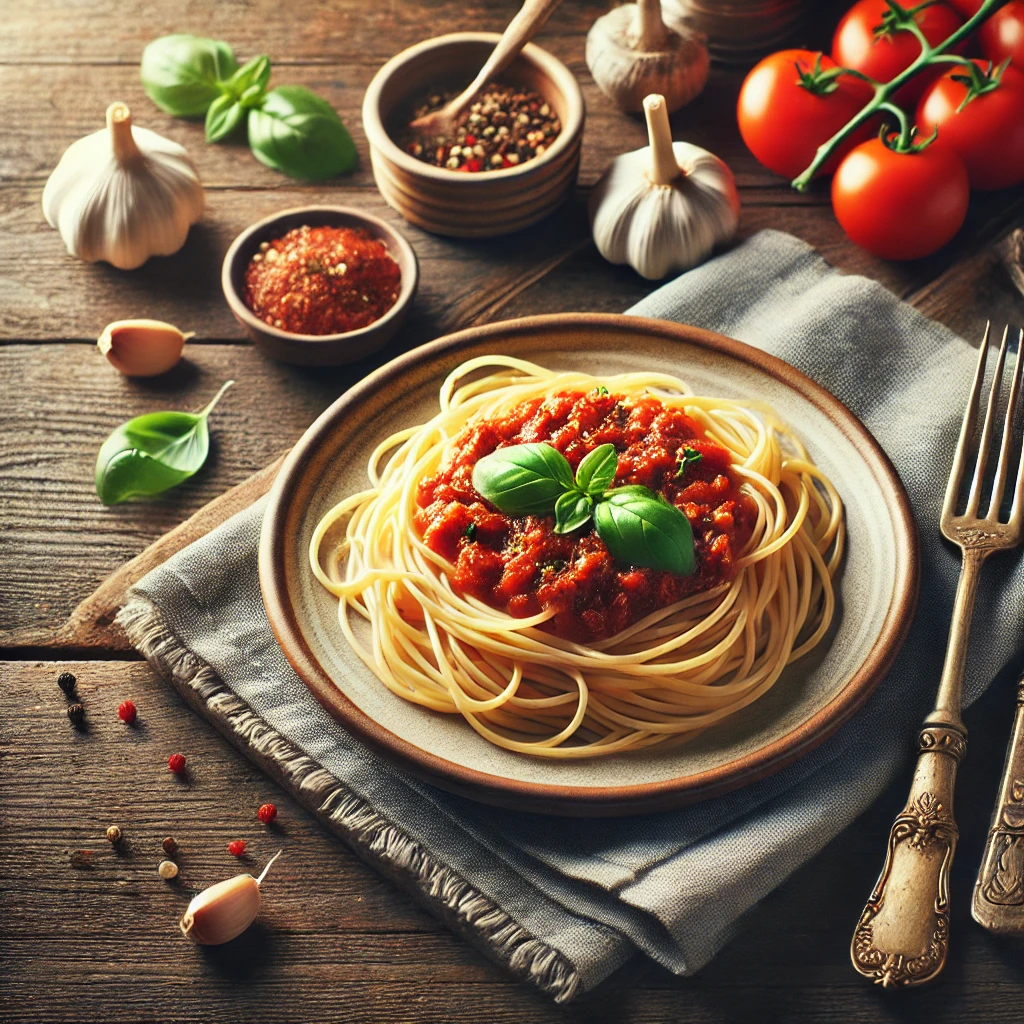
<point x="322" y="280"/>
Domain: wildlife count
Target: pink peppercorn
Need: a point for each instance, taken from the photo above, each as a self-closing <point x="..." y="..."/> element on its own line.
<point x="267" y="813"/>
<point x="127" y="712"/>
<point x="237" y="848"/>
<point x="176" y="764"/>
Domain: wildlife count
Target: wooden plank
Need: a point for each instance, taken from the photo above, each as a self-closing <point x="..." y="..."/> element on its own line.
<point x="337" y="943"/>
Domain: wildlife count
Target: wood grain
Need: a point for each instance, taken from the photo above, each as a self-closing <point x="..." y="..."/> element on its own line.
<point x="335" y="942"/>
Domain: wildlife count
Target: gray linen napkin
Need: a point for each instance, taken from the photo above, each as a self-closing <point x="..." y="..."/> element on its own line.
<point x="564" y="903"/>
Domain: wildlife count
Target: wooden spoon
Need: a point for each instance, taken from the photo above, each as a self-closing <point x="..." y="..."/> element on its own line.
<point x="520" y="31"/>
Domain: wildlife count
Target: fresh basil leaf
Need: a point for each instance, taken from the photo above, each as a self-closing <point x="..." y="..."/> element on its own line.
<point x="690" y="457"/>
<point x="152" y="453"/>
<point x="596" y="472"/>
<point x="523" y="479"/>
<point x="223" y="117"/>
<point x="183" y="74"/>
<point x="296" y="132"/>
<point x="572" y="510"/>
<point x="644" y="530"/>
<point x="256" y="73"/>
<point x="252" y="96"/>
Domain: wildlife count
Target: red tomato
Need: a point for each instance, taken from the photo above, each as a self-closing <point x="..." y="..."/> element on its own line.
<point x="1002" y="35"/>
<point x="882" y="58"/>
<point x="783" y="123"/>
<point x="988" y="134"/>
<point x="968" y="8"/>
<point x="900" y="206"/>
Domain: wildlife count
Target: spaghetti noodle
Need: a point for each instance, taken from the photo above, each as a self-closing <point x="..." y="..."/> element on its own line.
<point x="701" y="648"/>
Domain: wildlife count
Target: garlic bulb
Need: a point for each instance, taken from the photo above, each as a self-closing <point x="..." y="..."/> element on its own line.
<point x="663" y="208"/>
<point x="142" y="348"/>
<point x="223" y="911"/>
<point x="123" y="194"/>
<point x="631" y="53"/>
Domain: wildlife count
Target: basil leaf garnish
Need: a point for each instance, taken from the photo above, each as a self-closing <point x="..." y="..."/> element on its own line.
<point x="223" y="117"/>
<point x="296" y="132"/>
<point x="152" y="453"/>
<point x="641" y="529"/>
<point x="596" y="472"/>
<point x="637" y="526"/>
<point x="688" y="457"/>
<point x="184" y="74"/>
<point x="523" y="479"/>
<point x="572" y="510"/>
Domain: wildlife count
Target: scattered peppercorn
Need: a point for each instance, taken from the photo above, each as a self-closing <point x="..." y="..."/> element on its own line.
<point x="322" y="280"/>
<point x="508" y="125"/>
<point x="66" y="681"/>
<point x="76" y="712"/>
<point x="267" y="813"/>
<point x="176" y="764"/>
<point x="167" y="869"/>
<point x="170" y="846"/>
<point x="237" y="848"/>
<point x="127" y="712"/>
<point x="113" y="835"/>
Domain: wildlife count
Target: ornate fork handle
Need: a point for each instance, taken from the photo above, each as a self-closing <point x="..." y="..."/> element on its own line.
<point x="902" y="936"/>
<point x="998" y="903"/>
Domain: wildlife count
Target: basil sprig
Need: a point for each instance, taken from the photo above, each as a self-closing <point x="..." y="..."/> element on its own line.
<point x="637" y="526"/>
<point x="290" y="129"/>
<point x="153" y="452"/>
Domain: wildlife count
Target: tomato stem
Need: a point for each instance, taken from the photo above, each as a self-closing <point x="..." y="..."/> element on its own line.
<point x="884" y="92"/>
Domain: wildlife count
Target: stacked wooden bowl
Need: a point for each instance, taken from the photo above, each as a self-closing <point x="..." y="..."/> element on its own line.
<point x="457" y="203"/>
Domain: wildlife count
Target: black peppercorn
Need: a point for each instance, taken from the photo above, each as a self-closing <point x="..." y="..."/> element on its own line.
<point x="66" y="681"/>
<point x="76" y="712"/>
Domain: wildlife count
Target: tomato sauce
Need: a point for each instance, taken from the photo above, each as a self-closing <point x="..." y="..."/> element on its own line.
<point x="522" y="566"/>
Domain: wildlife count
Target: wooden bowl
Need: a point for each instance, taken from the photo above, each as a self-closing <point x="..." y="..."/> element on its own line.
<point x="317" y="349"/>
<point x="461" y="204"/>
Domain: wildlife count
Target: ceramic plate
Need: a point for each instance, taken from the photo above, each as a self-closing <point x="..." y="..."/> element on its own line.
<point x="877" y="584"/>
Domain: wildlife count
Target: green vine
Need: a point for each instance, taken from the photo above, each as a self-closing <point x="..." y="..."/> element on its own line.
<point x="898" y="18"/>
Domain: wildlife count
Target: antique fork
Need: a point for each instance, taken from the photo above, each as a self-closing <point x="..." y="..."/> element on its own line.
<point x="902" y="936"/>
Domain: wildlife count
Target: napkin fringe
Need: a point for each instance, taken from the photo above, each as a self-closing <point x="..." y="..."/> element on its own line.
<point x="378" y="841"/>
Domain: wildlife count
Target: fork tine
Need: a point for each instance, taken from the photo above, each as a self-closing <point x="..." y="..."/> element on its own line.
<point x="974" y="499"/>
<point x="1002" y="467"/>
<point x="956" y="474"/>
<point x="1018" y="494"/>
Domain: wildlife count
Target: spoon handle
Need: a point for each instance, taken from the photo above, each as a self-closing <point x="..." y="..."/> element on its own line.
<point x="521" y="29"/>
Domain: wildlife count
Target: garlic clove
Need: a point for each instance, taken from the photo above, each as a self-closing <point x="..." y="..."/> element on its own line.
<point x="223" y="911"/>
<point x="142" y="348"/>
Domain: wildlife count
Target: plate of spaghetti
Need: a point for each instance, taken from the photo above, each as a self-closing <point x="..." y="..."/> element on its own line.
<point x="589" y="564"/>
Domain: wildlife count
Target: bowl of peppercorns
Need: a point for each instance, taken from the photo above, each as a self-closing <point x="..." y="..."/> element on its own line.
<point x="320" y="285"/>
<point x="508" y="161"/>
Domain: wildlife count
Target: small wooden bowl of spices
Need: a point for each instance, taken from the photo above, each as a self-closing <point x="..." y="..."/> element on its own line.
<point x="320" y="285"/>
<point x="509" y="160"/>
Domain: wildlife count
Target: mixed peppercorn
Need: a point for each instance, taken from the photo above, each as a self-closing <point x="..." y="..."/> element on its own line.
<point x="506" y="126"/>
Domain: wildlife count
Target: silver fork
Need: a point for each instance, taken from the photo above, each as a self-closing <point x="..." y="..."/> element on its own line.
<point x="902" y="937"/>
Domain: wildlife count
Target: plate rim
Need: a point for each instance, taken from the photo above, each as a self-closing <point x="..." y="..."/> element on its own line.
<point x="603" y="801"/>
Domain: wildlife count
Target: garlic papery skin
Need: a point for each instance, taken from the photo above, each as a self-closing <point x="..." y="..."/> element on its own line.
<point x="632" y="53"/>
<point x="142" y="348"/>
<point x="123" y="194"/>
<point x="223" y="911"/>
<point x="663" y="208"/>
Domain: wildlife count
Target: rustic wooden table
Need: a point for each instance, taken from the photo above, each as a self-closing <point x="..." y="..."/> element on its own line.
<point x="336" y="942"/>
